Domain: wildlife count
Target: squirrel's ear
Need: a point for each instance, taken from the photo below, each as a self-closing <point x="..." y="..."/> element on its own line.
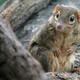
<point x="56" y="9"/>
<point x="78" y="16"/>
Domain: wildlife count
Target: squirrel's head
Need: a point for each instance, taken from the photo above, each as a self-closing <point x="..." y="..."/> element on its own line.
<point x="65" y="18"/>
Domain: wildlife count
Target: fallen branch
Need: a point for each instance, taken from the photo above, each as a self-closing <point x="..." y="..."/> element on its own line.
<point x="15" y="62"/>
<point x="18" y="11"/>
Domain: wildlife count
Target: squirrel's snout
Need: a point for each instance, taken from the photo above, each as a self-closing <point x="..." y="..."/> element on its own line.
<point x="59" y="26"/>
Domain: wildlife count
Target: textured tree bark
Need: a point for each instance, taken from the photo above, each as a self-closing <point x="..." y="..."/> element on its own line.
<point x="18" y="11"/>
<point x="15" y="62"/>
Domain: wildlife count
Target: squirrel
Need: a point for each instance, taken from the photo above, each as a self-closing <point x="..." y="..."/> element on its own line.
<point x="52" y="44"/>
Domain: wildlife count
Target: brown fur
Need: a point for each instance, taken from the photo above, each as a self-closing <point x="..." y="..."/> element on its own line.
<point x="50" y="45"/>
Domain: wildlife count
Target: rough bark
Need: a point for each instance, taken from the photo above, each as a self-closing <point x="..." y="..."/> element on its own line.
<point x="15" y="62"/>
<point x="18" y="11"/>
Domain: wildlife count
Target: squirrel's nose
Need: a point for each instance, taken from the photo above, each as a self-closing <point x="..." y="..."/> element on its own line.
<point x="59" y="26"/>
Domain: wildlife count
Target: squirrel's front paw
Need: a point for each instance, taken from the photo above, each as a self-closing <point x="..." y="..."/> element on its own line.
<point x="69" y="51"/>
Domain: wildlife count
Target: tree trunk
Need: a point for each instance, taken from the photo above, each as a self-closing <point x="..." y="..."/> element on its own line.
<point x="18" y="11"/>
<point x="15" y="62"/>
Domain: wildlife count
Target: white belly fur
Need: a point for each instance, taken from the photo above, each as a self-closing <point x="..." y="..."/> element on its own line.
<point x="70" y="64"/>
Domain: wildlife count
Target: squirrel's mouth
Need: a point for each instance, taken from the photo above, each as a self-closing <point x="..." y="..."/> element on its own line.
<point x="59" y="27"/>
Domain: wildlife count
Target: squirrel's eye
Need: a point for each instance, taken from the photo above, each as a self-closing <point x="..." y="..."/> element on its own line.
<point x="72" y="19"/>
<point x="57" y="15"/>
